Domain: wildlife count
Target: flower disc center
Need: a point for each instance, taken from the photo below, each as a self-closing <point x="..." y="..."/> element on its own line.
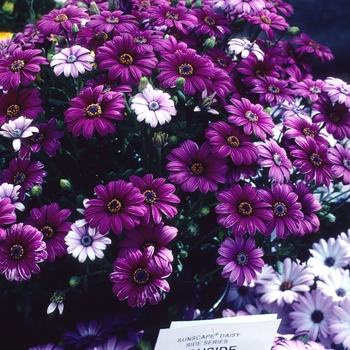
<point x="308" y="132"/>
<point x="265" y="19"/>
<point x="280" y="209"/>
<point x="252" y="117"/>
<point x="209" y="21"/>
<point x="17" y="251"/>
<point x="329" y="261"/>
<point x="140" y="40"/>
<point x="274" y="89"/>
<point x="315" y="90"/>
<point x="140" y="276"/>
<point x="315" y="159"/>
<point x="19" y="178"/>
<point x="126" y="59"/>
<point x="71" y="59"/>
<point x="286" y="285"/>
<point x="86" y="240"/>
<point x="245" y="208"/>
<point x="185" y="69"/>
<point x="94" y="110"/>
<point x="112" y="20"/>
<point x="334" y="117"/>
<point x="150" y="196"/>
<point x="13" y="111"/>
<point x="37" y="137"/>
<point x="221" y="62"/>
<point x="233" y="141"/>
<point x="242" y="258"/>
<point x="101" y="36"/>
<point x="153" y="106"/>
<point x="114" y="206"/>
<point x="346" y="163"/>
<point x="197" y="169"/>
<point x="17" y="65"/>
<point x="277" y="159"/>
<point x="61" y="18"/>
<point x="340" y="292"/>
<point x="172" y="16"/>
<point x="317" y="316"/>
<point x="47" y="232"/>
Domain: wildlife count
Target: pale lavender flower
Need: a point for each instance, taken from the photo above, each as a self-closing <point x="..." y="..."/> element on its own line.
<point x="17" y="130"/>
<point x="336" y="284"/>
<point x="57" y="301"/>
<point x="245" y="47"/>
<point x="11" y="191"/>
<point x="338" y="90"/>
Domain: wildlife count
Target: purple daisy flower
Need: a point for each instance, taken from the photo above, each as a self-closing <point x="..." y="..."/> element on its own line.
<point x="251" y="117"/>
<point x="159" y="197"/>
<point x="155" y="235"/>
<point x="279" y="5"/>
<point x="62" y="20"/>
<point x="91" y="111"/>
<point x="336" y="117"/>
<point x="72" y="61"/>
<point x="16" y="103"/>
<point x="118" y="205"/>
<point x="241" y="259"/>
<point x="273" y="156"/>
<point x="139" y="278"/>
<point x="229" y="140"/>
<point x="108" y="85"/>
<point x="220" y="59"/>
<point x="21" y="251"/>
<point x="338" y="91"/>
<point x="309" y="89"/>
<point x="147" y="41"/>
<point x="195" y="70"/>
<point x="24" y="173"/>
<point x="20" y="68"/>
<point x="7" y="215"/>
<point x="242" y="209"/>
<point x="238" y="172"/>
<point x="286" y="209"/>
<point x="194" y="167"/>
<point x="221" y="83"/>
<point x="340" y="158"/>
<point x="122" y="59"/>
<point x="116" y="22"/>
<point x="114" y="343"/>
<point x="51" y="222"/>
<point x="312" y="160"/>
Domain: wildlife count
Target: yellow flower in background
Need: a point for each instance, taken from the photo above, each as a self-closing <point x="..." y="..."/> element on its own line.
<point x="8" y="7"/>
<point x="5" y="35"/>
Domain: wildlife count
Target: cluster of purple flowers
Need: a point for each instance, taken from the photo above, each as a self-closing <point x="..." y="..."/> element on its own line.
<point x="142" y="139"/>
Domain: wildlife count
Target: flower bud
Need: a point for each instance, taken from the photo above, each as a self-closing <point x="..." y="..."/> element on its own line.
<point x="210" y="43"/>
<point x="143" y="345"/>
<point x="65" y="184"/>
<point x="293" y="30"/>
<point x="160" y="139"/>
<point x="198" y="4"/>
<point x="174" y="3"/>
<point x="94" y="9"/>
<point x="180" y="83"/>
<point x="74" y="281"/>
<point x="75" y="28"/>
<point x="188" y="4"/>
<point x="204" y="211"/>
<point x="81" y="5"/>
<point x="183" y="254"/>
<point x="142" y="84"/>
<point x="172" y="140"/>
<point x="8" y="7"/>
<point x="113" y="5"/>
<point x="36" y="191"/>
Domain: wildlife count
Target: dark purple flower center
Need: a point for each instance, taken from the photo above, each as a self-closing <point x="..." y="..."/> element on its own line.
<point x="172" y="16"/>
<point x="315" y="159"/>
<point x="112" y="20"/>
<point x="13" y="110"/>
<point x="260" y="73"/>
<point x="101" y="36"/>
<point x="317" y="316"/>
<point x="242" y="291"/>
<point x="37" y="137"/>
<point x="17" y="65"/>
<point x="185" y="69"/>
<point x="146" y="245"/>
<point x="277" y="159"/>
<point x="126" y="59"/>
<point x="150" y="196"/>
<point x="280" y="209"/>
<point x="114" y="206"/>
<point x="329" y="261"/>
<point x="265" y="19"/>
<point x="94" y="110"/>
<point x="61" y="18"/>
<point x="106" y="88"/>
<point x="286" y="285"/>
<point x="313" y="45"/>
<point x="340" y="292"/>
<point x="17" y="251"/>
<point x="245" y="208"/>
<point x="252" y="117"/>
<point x="197" y="168"/>
<point x="344" y="91"/>
<point x="315" y="90"/>
<point x="209" y="21"/>
<point x="153" y="106"/>
<point x="47" y="232"/>
<point x="86" y="240"/>
<point x="308" y="132"/>
<point x="140" y="40"/>
<point x="346" y="163"/>
<point x="221" y="61"/>
<point x="274" y="89"/>
<point x="19" y="178"/>
<point x="242" y="258"/>
<point x="140" y="276"/>
<point x="334" y="117"/>
<point x="233" y="141"/>
<point x="71" y="59"/>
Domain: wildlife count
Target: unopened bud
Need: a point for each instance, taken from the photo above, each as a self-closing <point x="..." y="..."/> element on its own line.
<point x="36" y="191"/>
<point x="81" y="5"/>
<point x="210" y="43"/>
<point x="180" y="83"/>
<point x="293" y="30"/>
<point x="75" y="28"/>
<point x="65" y="184"/>
<point x="198" y="4"/>
<point x="94" y="9"/>
<point x="188" y="4"/>
<point x="113" y="5"/>
<point x="204" y="211"/>
<point x="160" y="139"/>
<point x="142" y="84"/>
<point x="74" y="281"/>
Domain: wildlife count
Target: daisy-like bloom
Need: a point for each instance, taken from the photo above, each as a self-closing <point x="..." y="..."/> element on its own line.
<point x="17" y="130"/>
<point x="273" y="156"/>
<point x="251" y="117"/>
<point x="153" y="106"/>
<point x="51" y="222"/>
<point x="7" y="215"/>
<point x="230" y="140"/>
<point x="238" y="297"/>
<point x="338" y="91"/>
<point x="272" y="90"/>
<point x="340" y="158"/>
<point x="312" y="160"/>
<point x="193" y="68"/>
<point x="91" y="111"/>
<point x="330" y="255"/>
<point x="309" y="89"/>
<point x="308" y="45"/>
<point x="311" y="314"/>
<point x="118" y="205"/>
<point x="195" y="167"/>
<point x="241" y="259"/>
<point x="279" y="5"/>
<point x="85" y="241"/>
<point x="335" y="284"/>
<point x="49" y="346"/>
<point x="244" y="47"/>
<point x="268" y="22"/>
<point x="286" y="344"/>
<point x="248" y="7"/>
<point x="12" y="192"/>
<point x="72" y="61"/>
<point x="122" y="60"/>
<point x="159" y="197"/>
<point x="285" y="288"/>
<point x="155" y="235"/>
<point x="178" y="17"/>
<point x="116" y="22"/>
<point x="21" y="251"/>
<point x="221" y="85"/>
<point x="147" y="41"/>
<point x="24" y="173"/>
<point x="62" y="20"/>
<point x="336" y="117"/>
<point x="57" y="302"/>
<point x="220" y="59"/>
<point x="20" y="68"/>
<point x="113" y="343"/>
<point x="242" y="209"/>
<point x="286" y="209"/>
<point x="339" y="324"/>
<point x="139" y="278"/>
<point x="16" y="103"/>
<point x="108" y="85"/>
